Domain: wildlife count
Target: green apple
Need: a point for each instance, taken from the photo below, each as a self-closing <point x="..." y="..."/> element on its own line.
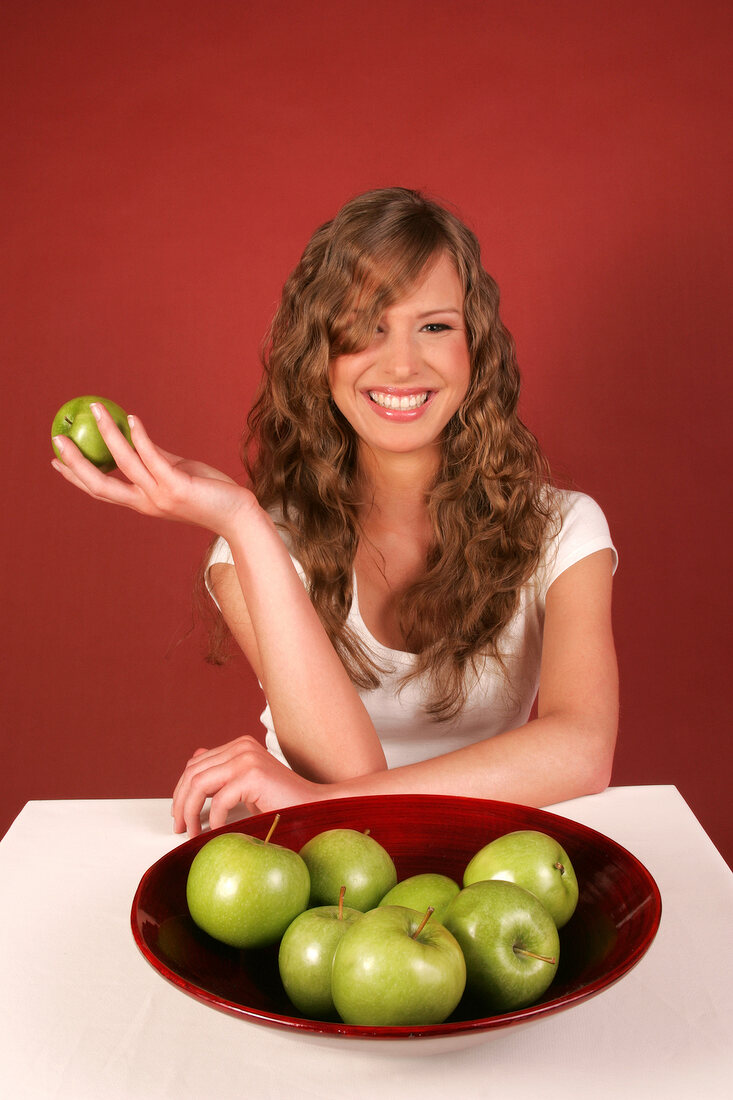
<point x="535" y="861"/>
<point x="245" y="891"/>
<point x="509" y="941"/>
<point x="345" y="857"/>
<point x="306" y="955"/>
<point x="421" y="891"/>
<point x="76" y="420"/>
<point x="396" y="968"/>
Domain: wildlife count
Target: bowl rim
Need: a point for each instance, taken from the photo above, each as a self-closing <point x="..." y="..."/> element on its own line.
<point x="335" y="1028"/>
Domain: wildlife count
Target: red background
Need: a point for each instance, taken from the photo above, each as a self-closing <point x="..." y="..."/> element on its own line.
<point x="164" y="164"/>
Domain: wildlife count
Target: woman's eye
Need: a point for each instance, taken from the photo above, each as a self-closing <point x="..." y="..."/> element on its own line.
<point x="436" y="326"/>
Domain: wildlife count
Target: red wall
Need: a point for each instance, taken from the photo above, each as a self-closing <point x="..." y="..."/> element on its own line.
<point x="165" y="163"/>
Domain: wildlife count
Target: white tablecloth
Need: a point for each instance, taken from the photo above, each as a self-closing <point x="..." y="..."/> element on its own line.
<point x="85" y="1017"/>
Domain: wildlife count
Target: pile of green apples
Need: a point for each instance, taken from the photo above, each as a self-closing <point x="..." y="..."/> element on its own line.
<point x="357" y="945"/>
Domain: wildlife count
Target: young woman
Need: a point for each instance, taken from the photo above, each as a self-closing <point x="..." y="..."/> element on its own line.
<point x="400" y="573"/>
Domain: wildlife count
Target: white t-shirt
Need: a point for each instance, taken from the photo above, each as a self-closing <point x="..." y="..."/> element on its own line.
<point x="497" y="700"/>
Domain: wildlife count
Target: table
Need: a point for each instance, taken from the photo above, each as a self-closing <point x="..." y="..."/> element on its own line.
<point x="85" y="1017"/>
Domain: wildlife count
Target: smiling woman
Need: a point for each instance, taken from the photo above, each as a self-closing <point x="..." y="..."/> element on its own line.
<point x="399" y="571"/>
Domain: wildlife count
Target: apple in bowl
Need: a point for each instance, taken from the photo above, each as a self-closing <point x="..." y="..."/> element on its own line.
<point x="305" y="956"/>
<point x="534" y="860"/>
<point x="244" y="891"/>
<point x="349" y="858"/>
<point x="510" y="943"/>
<point x="396" y="968"/>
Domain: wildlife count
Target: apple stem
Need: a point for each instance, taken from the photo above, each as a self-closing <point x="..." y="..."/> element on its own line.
<point x="423" y="922"/>
<point x="272" y="828"/>
<point x="559" y="867"/>
<point x="68" y="420"/>
<point x="367" y="832"/>
<point x="342" y="891"/>
<point x="534" y="955"/>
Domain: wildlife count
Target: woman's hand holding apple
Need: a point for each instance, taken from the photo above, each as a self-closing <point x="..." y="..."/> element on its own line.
<point x="157" y="483"/>
<point x="242" y="771"/>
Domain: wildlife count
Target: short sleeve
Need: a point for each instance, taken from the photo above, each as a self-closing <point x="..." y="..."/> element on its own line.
<point x="221" y="554"/>
<point x="583" y="531"/>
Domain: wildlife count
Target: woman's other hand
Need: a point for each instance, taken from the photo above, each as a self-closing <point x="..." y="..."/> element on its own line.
<point x="154" y="482"/>
<point x="240" y="772"/>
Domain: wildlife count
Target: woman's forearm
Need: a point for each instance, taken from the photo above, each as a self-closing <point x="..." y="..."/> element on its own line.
<point x="549" y="760"/>
<point x="322" y="724"/>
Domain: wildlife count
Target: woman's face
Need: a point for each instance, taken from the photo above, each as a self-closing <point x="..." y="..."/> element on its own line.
<point x="399" y="393"/>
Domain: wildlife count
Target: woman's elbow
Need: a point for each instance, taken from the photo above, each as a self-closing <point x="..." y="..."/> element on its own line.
<point x="598" y="763"/>
<point x="344" y="766"/>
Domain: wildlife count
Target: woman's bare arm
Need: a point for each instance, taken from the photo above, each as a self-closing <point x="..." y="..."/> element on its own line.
<point x="567" y="751"/>
<point x="321" y="721"/>
<point x="322" y="725"/>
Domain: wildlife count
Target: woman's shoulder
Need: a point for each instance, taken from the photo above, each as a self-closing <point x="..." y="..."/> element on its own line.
<point x="580" y="529"/>
<point x="572" y="505"/>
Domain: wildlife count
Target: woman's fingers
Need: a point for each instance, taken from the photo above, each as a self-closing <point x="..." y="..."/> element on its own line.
<point x="81" y="473"/>
<point x="85" y="475"/>
<point x="224" y="800"/>
<point x="131" y="461"/>
<point x="211" y="782"/>
<point x="66" y="471"/>
<point x="204" y="773"/>
<point x="241" y="771"/>
<point x="158" y="463"/>
<point x="150" y="484"/>
<point x="154" y="482"/>
<point x="203" y="786"/>
<point x="179" y="789"/>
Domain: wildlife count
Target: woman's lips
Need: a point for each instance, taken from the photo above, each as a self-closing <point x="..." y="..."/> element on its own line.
<point x="399" y="404"/>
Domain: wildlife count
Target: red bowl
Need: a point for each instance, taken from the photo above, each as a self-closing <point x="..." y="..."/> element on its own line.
<point x="617" y="916"/>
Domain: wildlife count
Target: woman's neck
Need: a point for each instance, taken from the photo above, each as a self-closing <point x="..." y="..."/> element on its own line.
<point x="396" y="488"/>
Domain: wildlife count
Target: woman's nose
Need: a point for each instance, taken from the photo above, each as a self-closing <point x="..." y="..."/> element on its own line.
<point x="400" y="355"/>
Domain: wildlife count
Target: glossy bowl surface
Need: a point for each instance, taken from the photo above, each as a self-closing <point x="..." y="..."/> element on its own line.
<point x="618" y="912"/>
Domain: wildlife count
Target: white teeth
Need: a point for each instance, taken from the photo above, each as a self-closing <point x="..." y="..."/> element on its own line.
<point x="392" y="401"/>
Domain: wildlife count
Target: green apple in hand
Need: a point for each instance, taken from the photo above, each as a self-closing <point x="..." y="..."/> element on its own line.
<point x="509" y="941"/>
<point x="535" y="861"/>
<point x="75" y="419"/>
<point x="245" y="891"/>
<point x="423" y="891"/>
<point x="396" y="968"/>
<point x="346" y="857"/>
<point x="306" y="955"/>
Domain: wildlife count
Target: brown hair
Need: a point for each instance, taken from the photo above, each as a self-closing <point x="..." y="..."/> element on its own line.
<point x="488" y="507"/>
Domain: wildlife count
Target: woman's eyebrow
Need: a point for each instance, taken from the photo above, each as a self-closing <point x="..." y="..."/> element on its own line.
<point x="440" y="309"/>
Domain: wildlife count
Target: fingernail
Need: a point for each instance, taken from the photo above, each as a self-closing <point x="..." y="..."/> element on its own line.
<point x="131" y="422"/>
<point x="95" y="410"/>
<point x="59" y="442"/>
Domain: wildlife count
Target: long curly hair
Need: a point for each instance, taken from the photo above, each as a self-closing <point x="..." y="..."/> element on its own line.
<point x="489" y="506"/>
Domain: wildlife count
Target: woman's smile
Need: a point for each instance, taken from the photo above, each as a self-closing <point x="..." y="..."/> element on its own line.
<point x="398" y="404"/>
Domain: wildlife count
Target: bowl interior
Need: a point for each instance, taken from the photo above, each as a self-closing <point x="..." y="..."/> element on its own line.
<point x="617" y="916"/>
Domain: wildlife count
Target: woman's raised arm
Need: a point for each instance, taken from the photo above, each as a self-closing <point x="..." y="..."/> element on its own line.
<point x="322" y="724"/>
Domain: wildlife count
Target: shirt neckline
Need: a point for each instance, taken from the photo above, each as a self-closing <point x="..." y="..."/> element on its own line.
<point x="401" y="655"/>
